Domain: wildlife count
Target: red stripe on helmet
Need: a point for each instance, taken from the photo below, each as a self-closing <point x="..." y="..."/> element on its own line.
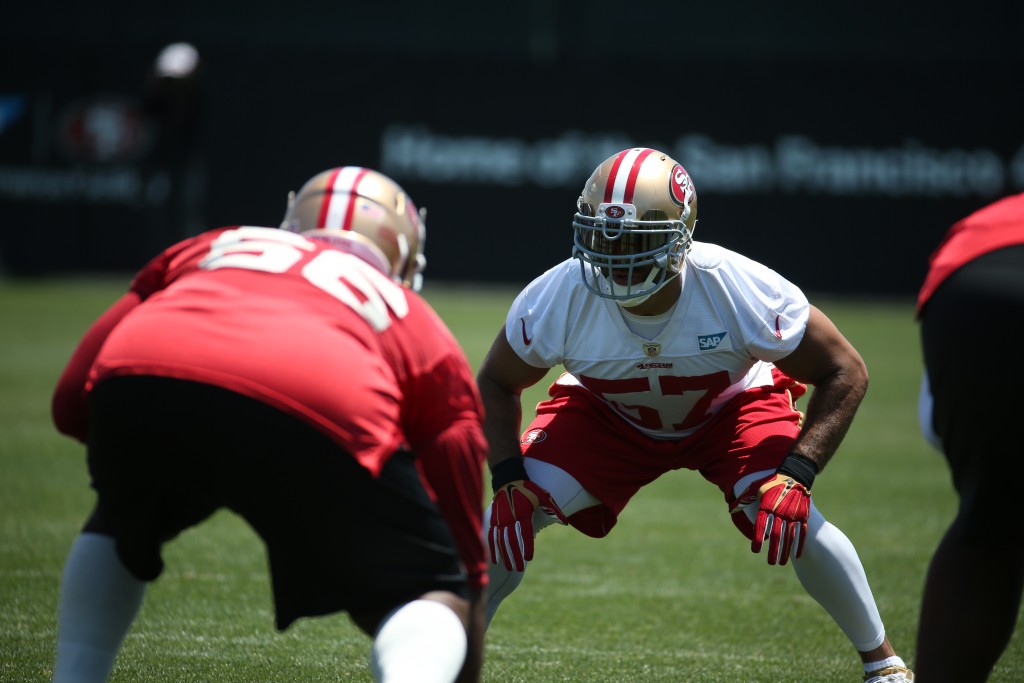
<point x="611" y="176"/>
<point x="633" y="173"/>
<point x="353" y="195"/>
<point x="325" y="204"/>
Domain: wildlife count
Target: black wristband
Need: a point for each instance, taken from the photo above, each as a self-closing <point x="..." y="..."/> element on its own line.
<point x="801" y="468"/>
<point x="511" y="469"/>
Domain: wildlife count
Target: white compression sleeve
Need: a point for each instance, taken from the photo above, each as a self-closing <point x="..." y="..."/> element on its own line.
<point x="831" y="572"/>
<point x="571" y="498"/>
<point x="422" y="641"/>
<point x="99" y="599"/>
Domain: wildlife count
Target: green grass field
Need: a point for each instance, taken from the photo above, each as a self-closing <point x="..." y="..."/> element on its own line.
<point x="673" y="594"/>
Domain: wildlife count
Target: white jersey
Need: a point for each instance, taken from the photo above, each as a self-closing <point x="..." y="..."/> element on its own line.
<point x="734" y="318"/>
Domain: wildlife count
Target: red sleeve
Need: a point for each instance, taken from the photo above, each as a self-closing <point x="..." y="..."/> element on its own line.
<point x="447" y="437"/>
<point x="453" y="468"/>
<point x="70" y="407"/>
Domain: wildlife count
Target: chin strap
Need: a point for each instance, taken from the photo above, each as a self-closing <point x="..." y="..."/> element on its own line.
<point x="619" y="290"/>
<point x="637" y="300"/>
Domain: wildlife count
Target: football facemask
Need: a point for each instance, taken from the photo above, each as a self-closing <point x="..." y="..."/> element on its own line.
<point x="633" y="225"/>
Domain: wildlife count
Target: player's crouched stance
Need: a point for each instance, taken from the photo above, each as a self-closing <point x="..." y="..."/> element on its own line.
<point x="678" y="355"/>
<point x="294" y="377"/>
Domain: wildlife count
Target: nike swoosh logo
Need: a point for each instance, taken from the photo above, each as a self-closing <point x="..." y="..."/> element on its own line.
<point x="526" y="340"/>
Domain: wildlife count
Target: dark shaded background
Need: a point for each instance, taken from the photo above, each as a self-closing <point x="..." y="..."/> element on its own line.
<point x="835" y="142"/>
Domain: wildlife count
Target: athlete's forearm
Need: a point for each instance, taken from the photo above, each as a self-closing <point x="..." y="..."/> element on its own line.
<point x="830" y="412"/>
<point x="503" y="421"/>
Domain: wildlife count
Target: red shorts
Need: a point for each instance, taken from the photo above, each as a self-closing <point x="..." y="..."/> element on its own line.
<point x="576" y="431"/>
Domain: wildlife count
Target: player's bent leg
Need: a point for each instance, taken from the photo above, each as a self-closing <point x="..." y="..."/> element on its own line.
<point x="563" y="487"/>
<point x="99" y="599"/>
<point x="423" y="641"/>
<point x="969" y="608"/>
<point x="831" y="572"/>
<point x="571" y="498"/>
<point x="973" y="588"/>
<point x="501" y="582"/>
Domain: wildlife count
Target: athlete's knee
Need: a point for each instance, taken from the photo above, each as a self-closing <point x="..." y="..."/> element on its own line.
<point x="566" y="491"/>
<point x="422" y="640"/>
<point x="452" y="601"/>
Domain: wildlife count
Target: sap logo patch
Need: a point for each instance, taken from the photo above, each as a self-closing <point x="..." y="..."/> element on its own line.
<point x="710" y="341"/>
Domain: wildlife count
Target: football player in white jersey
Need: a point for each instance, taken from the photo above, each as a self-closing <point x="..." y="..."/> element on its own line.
<point x="677" y="354"/>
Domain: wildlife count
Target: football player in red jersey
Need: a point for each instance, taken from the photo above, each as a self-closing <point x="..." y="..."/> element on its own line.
<point x="678" y="355"/>
<point x="974" y="295"/>
<point x="294" y="377"/>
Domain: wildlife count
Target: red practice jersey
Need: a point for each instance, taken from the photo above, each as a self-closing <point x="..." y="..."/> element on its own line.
<point x="998" y="225"/>
<point x="312" y="330"/>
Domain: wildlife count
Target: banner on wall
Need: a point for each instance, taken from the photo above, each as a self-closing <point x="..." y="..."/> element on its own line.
<point x="842" y="186"/>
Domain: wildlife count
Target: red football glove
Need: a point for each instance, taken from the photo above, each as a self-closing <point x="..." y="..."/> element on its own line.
<point x="511" y="532"/>
<point x="782" y="515"/>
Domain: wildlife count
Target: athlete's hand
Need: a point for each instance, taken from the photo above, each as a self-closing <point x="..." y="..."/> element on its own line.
<point x="783" y="507"/>
<point x="510" y="535"/>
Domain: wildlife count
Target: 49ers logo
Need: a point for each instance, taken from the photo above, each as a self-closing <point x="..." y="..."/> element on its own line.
<point x="680" y="186"/>
<point x="533" y="436"/>
<point x="614" y="212"/>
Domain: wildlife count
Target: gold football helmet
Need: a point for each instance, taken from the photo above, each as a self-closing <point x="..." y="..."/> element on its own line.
<point x="354" y="204"/>
<point x="633" y="225"/>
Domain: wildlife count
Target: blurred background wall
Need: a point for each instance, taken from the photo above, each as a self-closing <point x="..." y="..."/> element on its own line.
<point x="835" y="141"/>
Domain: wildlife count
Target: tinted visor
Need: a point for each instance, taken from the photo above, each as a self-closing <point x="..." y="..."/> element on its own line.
<point x="613" y="243"/>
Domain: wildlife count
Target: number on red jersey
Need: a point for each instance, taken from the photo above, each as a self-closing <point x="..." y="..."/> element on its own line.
<point x="347" y="278"/>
